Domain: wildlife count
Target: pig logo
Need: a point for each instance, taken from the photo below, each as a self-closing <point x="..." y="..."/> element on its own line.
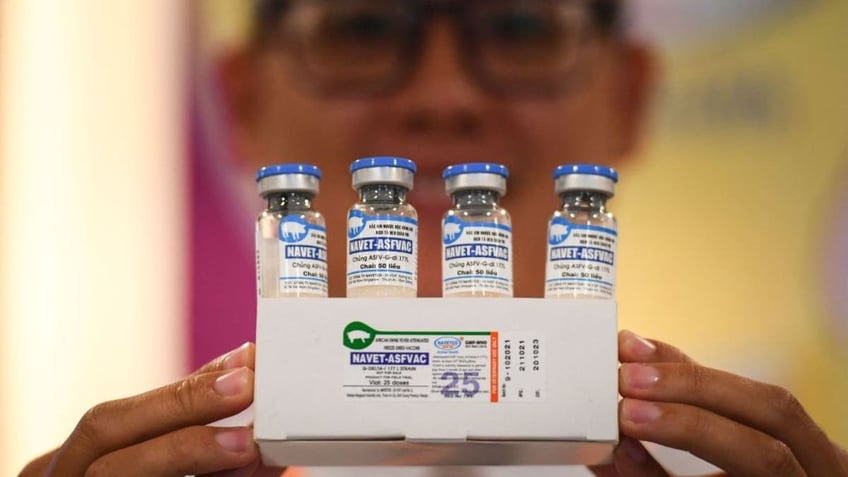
<point x="355" y="223"/>
<point x="358" y="336"/>
<point x="452" y="230"/>
<point x="559" y="231"/>
<point x="294" y="229"/>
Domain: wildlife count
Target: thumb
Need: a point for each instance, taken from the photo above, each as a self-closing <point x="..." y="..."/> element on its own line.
<point x="631" y="459"/>
<point x="607" y="470"/>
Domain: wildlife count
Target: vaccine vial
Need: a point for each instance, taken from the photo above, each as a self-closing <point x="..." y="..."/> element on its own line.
<point x="291" y="239"/>
<point x="582" y="235"/>
<point x="382" y="230"/>
<point x="476" y="233"/>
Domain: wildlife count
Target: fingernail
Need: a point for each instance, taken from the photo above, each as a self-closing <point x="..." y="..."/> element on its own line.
<point x="232" y="383"/>
<point x="634" y="450"/>
<point x="236" y="358"/>
<point x="638" y="345"/>
<point x="640" y="376"/>
<point x="639" y="412"/>
<point x="235" y="440"/>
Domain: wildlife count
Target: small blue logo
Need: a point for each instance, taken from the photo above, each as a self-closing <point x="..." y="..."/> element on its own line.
<point x="453" y="229"/>
<point x="294" y="229"/>
<point x="447" y="343"/>
<point x="356" y="223"/>
<point x="559" y="231"/>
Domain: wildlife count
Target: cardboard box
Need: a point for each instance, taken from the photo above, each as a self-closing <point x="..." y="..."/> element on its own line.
<point x="436" y="381"/>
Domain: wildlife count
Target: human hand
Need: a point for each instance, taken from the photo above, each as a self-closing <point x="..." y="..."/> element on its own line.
<point x="744" y="427"/>
<point x="163" y="432"/>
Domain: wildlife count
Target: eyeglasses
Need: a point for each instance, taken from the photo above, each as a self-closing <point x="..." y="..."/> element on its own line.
<point x="509" y="47"/>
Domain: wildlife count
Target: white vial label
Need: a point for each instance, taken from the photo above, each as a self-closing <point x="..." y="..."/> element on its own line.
<point x="581" y="260"/>
<point x="476" y="258"/>
<point x="303" y="257"/>
<point x="382" y="251"/>
<point x="257" y="243"/>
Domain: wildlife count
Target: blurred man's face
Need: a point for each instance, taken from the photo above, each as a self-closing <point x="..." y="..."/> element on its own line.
<point x="528" y="84"/>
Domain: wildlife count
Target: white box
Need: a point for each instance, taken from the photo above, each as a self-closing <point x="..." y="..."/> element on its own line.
<point x="436" y="381"/>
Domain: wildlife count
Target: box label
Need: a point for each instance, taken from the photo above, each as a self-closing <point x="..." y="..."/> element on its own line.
<point x="460" y="366"/>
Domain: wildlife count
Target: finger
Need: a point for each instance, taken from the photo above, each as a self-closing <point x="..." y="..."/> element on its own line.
<point x="38" y="467"/>
<point x="273" y="472"/>
<point x="246" y="471"/>
<point x="195" y="400"/>
<point x="630" y="459"/>
<point x="733" y="447"/>
<point x="242" y="357"/>
<point x="606" y="470"/>
<point x="632" y="348"/>
<point x="764" y="407"/>
<point x="255" y="469"/>
<point x="188" y="451"/>
<point x="633" y="460"/>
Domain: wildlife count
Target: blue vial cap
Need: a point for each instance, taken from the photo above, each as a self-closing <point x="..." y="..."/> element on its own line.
<point x="383" y="161"/>
<point x="586" y="169"/>
<point x="284" y="169"/>
<point x="476" y="168"/>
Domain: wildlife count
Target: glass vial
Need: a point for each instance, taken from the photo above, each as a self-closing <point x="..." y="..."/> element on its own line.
<point x="291" y="239"/>
<point x="582" y="235"/>
<point x="476" y="233"/>
<point x="382" y="230"/>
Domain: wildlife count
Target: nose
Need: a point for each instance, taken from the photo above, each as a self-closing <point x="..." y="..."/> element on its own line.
<point x="441" y="99"/>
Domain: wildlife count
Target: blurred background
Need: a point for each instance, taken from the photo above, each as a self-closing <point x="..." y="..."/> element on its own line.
<point x="113" y="151"/>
